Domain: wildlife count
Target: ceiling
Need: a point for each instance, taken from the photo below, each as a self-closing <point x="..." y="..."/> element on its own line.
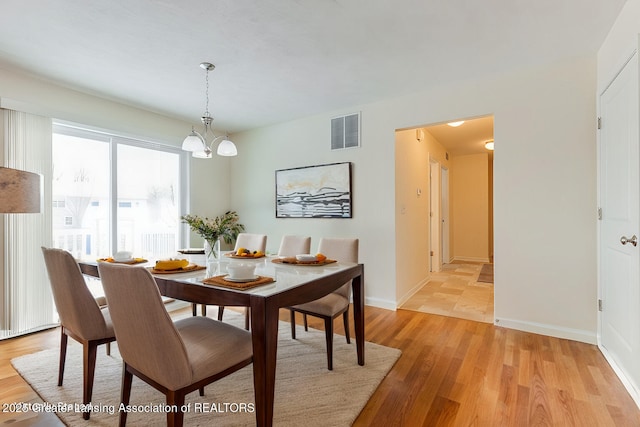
<point x="277" y="60"/>
<point x="468" y="138"/>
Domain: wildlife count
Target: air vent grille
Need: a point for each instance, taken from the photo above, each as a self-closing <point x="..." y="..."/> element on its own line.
<point x="345" y="132"/>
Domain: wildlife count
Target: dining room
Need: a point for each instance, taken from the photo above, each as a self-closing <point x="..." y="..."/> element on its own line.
<point x="282" y="101"/>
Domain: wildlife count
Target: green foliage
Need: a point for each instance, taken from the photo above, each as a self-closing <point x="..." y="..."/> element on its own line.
<point x="224" y="227"/>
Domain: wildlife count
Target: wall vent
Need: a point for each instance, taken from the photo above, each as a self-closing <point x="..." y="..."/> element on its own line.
<point x="345" y="131"/>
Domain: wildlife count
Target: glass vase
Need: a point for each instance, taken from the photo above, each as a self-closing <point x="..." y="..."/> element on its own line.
<point x="212" y="250"/>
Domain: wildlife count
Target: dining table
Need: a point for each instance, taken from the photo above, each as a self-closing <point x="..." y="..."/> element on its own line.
<point x="292" y="284"/>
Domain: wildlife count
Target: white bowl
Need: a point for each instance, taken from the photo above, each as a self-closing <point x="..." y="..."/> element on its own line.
<point x="306" y="257"/>
<point x="123" y="256"/>
<point x="241" y="271"/>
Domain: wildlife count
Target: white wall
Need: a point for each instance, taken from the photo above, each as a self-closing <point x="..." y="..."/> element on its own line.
<point x="544" y="191"/>
<point x="544" y="174"/>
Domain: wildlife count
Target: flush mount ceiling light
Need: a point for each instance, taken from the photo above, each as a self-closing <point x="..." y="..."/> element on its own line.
<point x="489" y="145"/>
<point x="197" y="142"/>
<point x="456" y="124"/>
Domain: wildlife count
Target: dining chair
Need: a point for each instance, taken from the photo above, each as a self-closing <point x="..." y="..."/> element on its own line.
<point x="334" y="304"/>
<point x="175" y="358"/>
<point x="293" y="245"/>
<point x="252" y="242"/>
<point x="82" y="317"/>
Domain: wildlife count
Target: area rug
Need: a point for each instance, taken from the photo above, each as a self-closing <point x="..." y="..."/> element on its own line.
<point x="306" y="392"/>
<point x="486" y="274"/>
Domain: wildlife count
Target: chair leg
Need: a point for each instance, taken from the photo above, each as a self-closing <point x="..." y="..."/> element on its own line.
<point x="63" y="355"/>
<point x="108" y="349"/>
<point x="220" y="312"/>
<point x="90" y="351"/>
<point x="293" y="324"/>
<point x="125" y="393"/>
<point x="175" y="418"/>
<point x="247" y="317"/>
<point x="306" y="326"/>
<point x="345" y="318"/>
<point x="204" y="310"/>
<point x="194" y="309"/>
<point x="328" y="327"/>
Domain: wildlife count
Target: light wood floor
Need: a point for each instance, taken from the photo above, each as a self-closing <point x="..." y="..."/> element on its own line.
<point x="452" y="372"/>
<point x="456" y="292"/>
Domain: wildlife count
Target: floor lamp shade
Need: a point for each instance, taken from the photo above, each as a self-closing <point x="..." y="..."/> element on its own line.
<point x="19" y="191"/>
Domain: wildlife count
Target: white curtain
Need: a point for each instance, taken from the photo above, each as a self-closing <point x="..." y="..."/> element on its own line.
<point x="26" y="303"/>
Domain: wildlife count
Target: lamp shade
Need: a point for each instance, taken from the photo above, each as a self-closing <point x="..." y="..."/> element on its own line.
<point x="227" y="148"/>
<point x="19" y="191"/>
<point x="193" y="143"/>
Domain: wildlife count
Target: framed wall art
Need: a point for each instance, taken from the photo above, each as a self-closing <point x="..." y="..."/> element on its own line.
<point x="321" y="191"/>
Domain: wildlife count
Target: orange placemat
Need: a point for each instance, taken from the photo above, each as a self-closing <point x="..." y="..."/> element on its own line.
<point x="188" y="268"/>
<point x="234" y="256"/>
<point x="133" y="261"/>
<point x="293" y="260"/>
<point x="219" y="281"/>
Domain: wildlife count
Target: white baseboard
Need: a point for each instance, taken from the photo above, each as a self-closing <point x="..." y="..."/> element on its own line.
<point x="471" y="259"/>
<point x="549" y="330"/>
<point x="381" y="303"/>
<point x="412" y="291"/>
<point x="624" y="379"/>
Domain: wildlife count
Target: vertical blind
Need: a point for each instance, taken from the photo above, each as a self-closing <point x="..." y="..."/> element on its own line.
<point x="26" y="303"/>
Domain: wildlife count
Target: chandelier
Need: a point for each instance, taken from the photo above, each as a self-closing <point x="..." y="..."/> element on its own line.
<point x="197" y="142"/>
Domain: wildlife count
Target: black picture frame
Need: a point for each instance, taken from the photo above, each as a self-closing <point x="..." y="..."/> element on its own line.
<point x="319" y="191"/>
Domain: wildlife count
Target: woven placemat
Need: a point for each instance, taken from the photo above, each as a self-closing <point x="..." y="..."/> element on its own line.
<point x="219" y="281"/>
<point x="187" y="269"/>
<point x="130" y="262"/>
<point x="294" y="261"/>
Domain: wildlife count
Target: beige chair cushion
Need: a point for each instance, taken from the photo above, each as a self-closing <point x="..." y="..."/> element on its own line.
<point x="253" y="242"/>
<point x="173" y="355"/>
<point x="78" y="310"/>
<point x="294" y="245"/>
<point x="343" y="250"/>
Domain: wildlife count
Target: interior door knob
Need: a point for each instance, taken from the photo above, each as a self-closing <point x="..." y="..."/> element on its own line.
<point x="633" y="240"/>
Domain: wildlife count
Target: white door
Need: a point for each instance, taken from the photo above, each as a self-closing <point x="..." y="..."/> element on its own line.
<point x="444" y="208"/>
<point x="434" y="216"/>
<point x="619" y="200"/>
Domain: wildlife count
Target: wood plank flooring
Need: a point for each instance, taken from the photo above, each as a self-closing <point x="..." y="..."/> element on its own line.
<point x="452" y="372"/>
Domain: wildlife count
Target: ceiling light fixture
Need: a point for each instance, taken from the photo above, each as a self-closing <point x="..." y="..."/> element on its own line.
<point x="489" y="145"/>
<point x="197" y="142"/>
<point x="456" y="124"/>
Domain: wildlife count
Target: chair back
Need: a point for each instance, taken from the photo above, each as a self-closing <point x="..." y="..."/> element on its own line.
<point x="294" y="245"/>
<point x="253" y="242"/>
<point x="343" y="250"/>
<point x="147" y="338"/>
<point x="76" y="306"/>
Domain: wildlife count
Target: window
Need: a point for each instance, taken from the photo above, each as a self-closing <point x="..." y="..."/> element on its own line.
<point x="114" y="193"/>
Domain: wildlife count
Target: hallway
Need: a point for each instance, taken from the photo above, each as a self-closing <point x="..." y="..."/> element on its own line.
<point x="455" y="292"/>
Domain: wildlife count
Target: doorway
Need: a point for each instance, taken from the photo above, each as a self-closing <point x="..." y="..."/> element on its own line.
<point x="460" y="223"/>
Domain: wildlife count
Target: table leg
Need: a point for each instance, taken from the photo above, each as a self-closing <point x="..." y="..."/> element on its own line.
<point x="264" y="332"/>
<point x="357" y="286"/>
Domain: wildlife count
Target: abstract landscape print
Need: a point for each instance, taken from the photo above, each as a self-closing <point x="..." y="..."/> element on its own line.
<point x="322" y="191"/>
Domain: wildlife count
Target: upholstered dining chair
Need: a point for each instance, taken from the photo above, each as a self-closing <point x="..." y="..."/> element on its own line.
<point x="336" y="303"/>
<point x="252" y="242"/>
<point x="175" y="358"/>
<point x="81" y="316"/>
<point x="293" y="245"/>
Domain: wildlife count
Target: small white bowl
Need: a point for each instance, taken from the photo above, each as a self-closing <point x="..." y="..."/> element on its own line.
<point x="306" y="257"/>
<point x="241" y="271"/>
<point x="123" y="256"/>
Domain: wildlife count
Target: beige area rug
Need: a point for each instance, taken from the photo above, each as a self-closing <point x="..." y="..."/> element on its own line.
<point x="306" y="392"/>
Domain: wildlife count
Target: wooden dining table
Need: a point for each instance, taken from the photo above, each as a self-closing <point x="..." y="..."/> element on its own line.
<point x="293" y="284"/>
